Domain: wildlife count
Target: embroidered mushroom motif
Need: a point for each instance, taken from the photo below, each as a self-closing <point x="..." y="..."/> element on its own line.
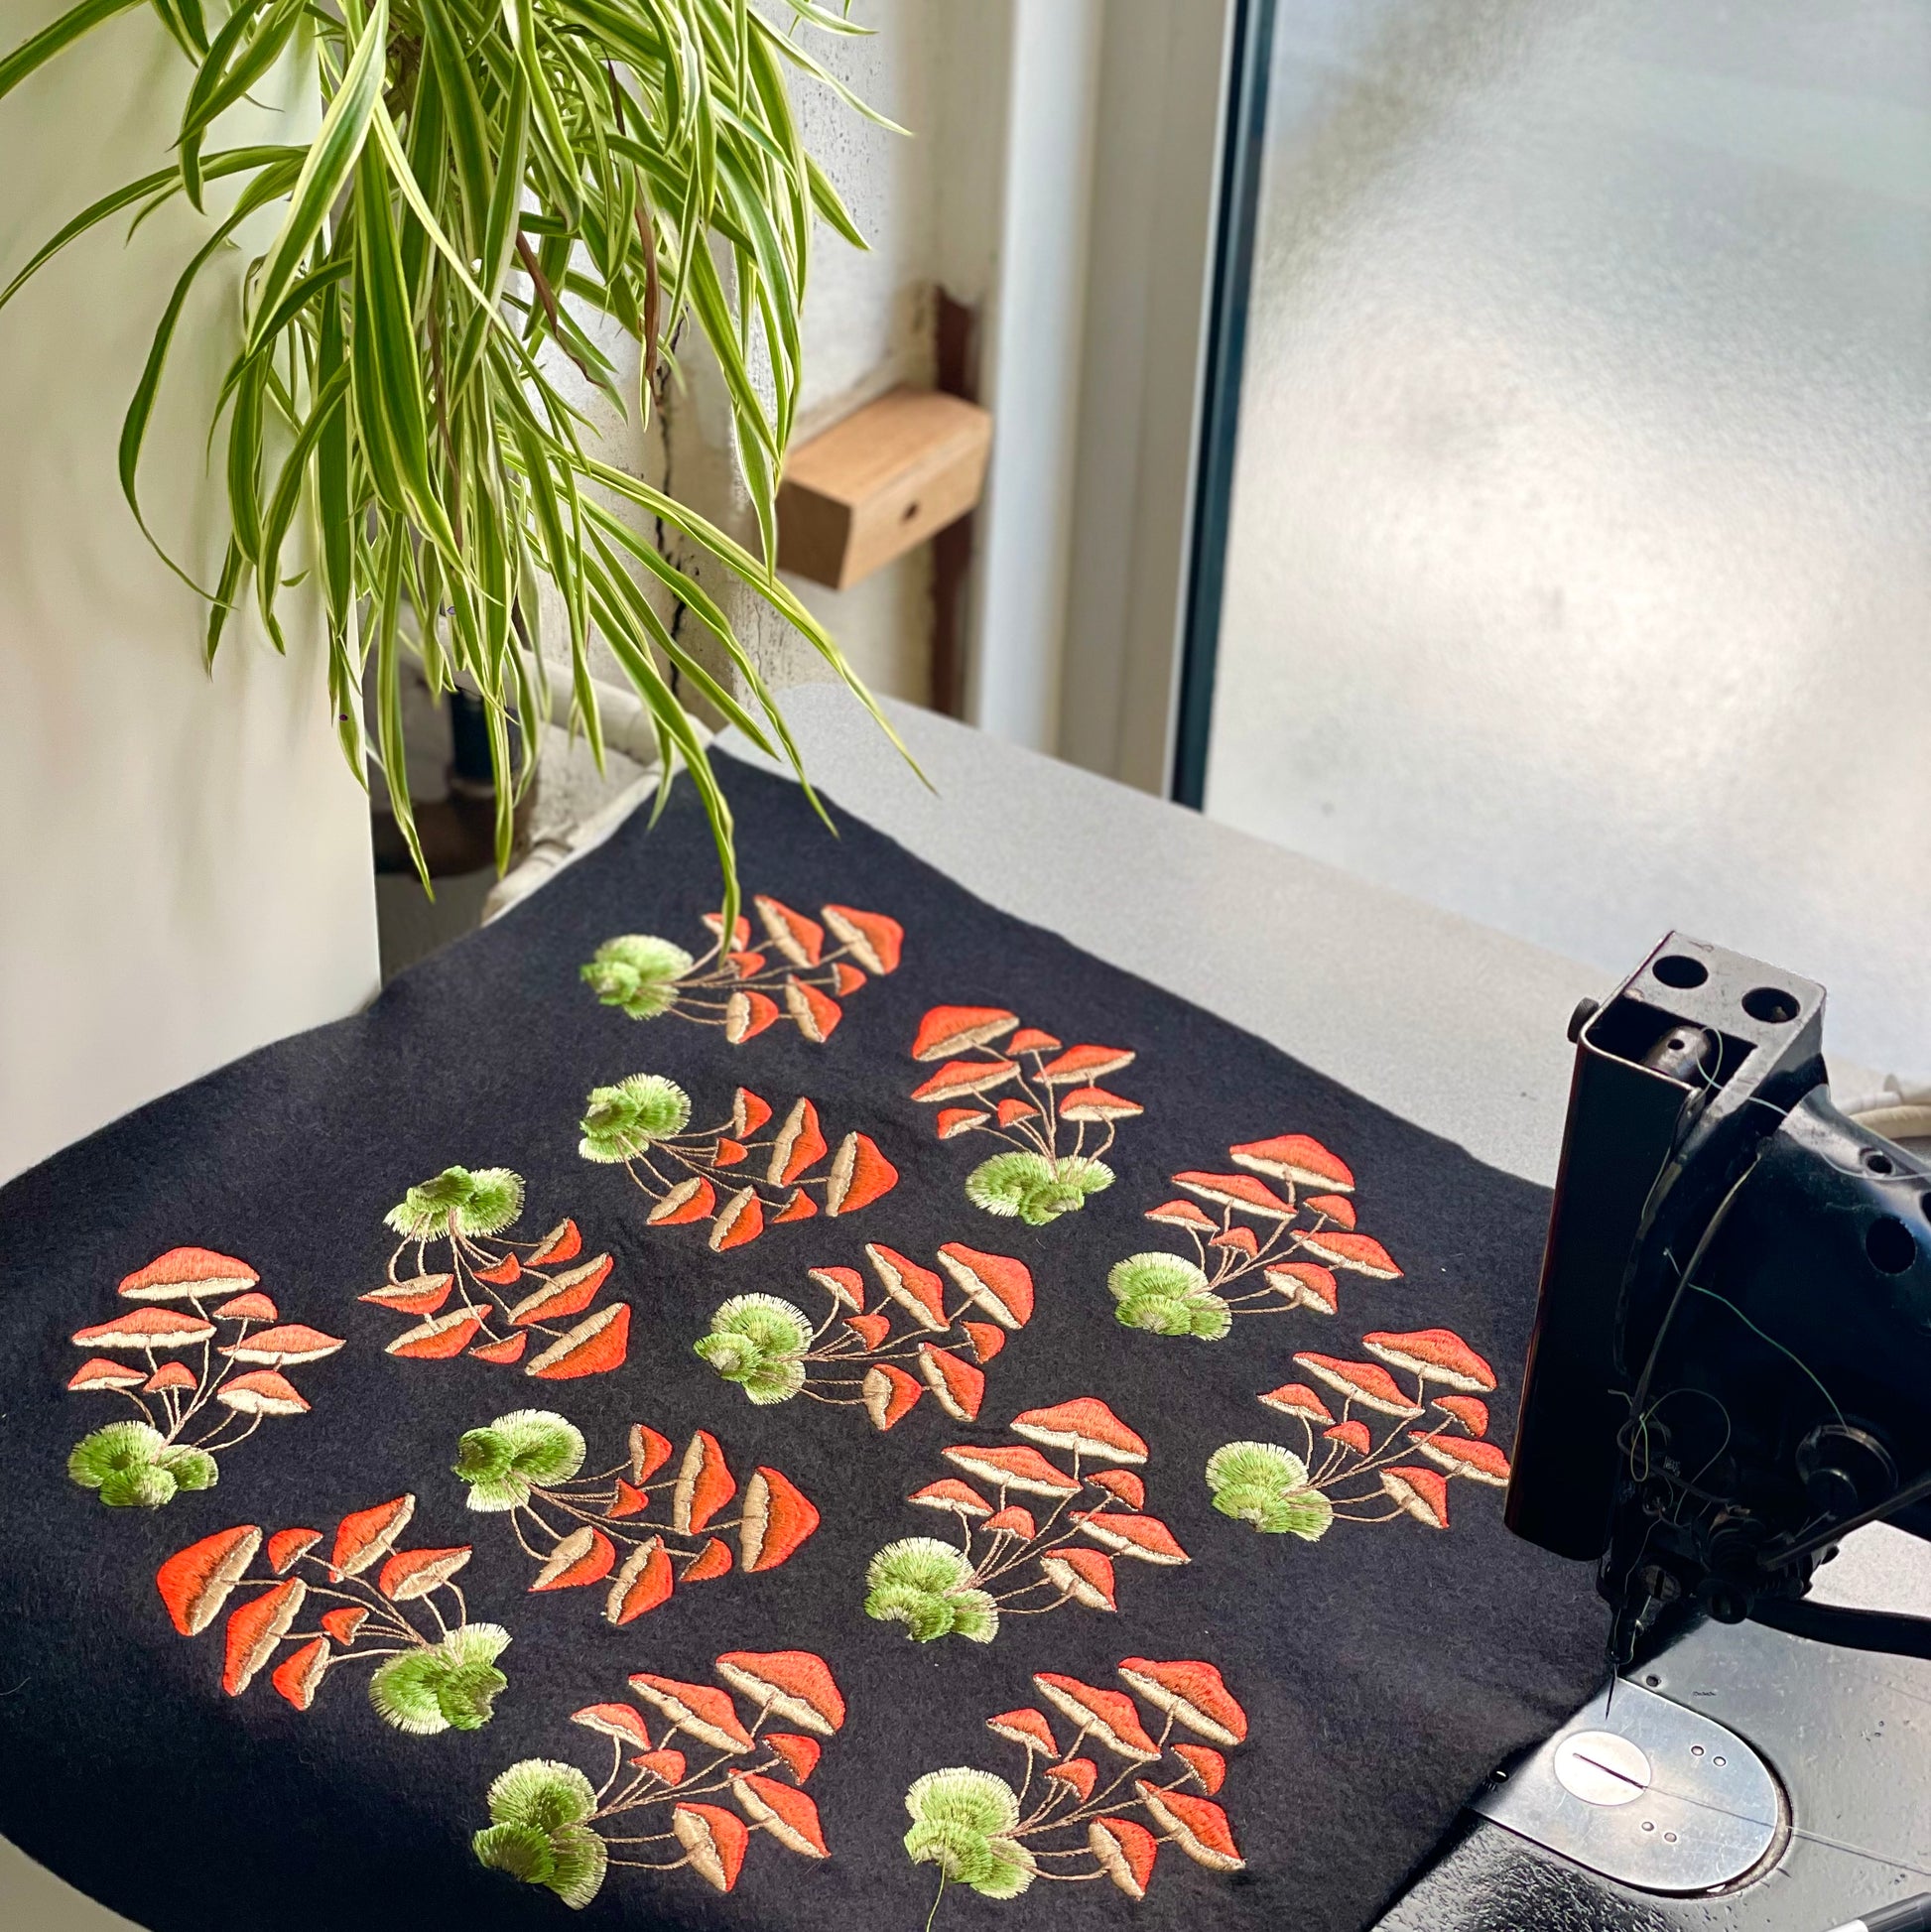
<point x="749" y="1171"/>
<point x="1021" y="1086"/>
<point x="1340" y="1472"/>
<point x="471" y="1288"/>
<point x="1279" y="1235"/>
<point x="551" y="1826"/>
<point x="640" y="1537"/>
<point x="742" y="990"/>
<point x="1009" y="1560"/>
<point x="197" y="1396"/>
<point x="1071" y="1817"/>
<point x="930" y="1331"/>
<point x="426" y="1679"/>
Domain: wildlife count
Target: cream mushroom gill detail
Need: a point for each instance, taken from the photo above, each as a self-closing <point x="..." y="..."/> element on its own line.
<point x="925" y="1330"/>
<point x="789" y="975"/>
<point x="1270" y="1239"/>
<point x="711" y="1767"/>
<point x="1107" y="1781"/>
<point x="199" y="1353"/>
<point x="1031" y="1535"/>
<point x="1369" y="1447"/>
<point x="753" y="1170"/>
<point x="1024" y="1088"/>
<point x="637" y="1530"/>
<point x="311" y="1614"/>
<point x="471" y="1288"/>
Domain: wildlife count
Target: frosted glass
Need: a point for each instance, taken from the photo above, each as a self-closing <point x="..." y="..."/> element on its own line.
<point x="1580" y="574"/>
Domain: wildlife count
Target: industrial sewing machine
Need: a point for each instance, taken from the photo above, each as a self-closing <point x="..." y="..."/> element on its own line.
<point x="1731" y="1373"/>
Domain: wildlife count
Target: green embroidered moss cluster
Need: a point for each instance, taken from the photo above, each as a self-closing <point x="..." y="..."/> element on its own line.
<point x="134" y="1465"/>
<point x="459" y="1201"/>
<point x="621" y="1122"/>
<point x="452" y="1686"/>
<point x="526" y="1449"/>
<point x="1165" y="1294"/>
<point x="927" y="1586"/>
<point x="760" y="1342"/>
<point x="1035" y="1188"/>
<point x="637" y="974"/>
<point x="1262" y="1483"/>
<point x="962" y="1821"/>
<point x="541" y="1832"/>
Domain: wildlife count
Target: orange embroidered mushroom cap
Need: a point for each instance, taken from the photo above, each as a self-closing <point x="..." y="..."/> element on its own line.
<point x="1241" y="1238"/>
<point x="1352" y="1434"/>
<point x="1013" y="1108"/>
<point x="564" y="1243"/>
<point x="251" y="1307"/>
<point x="1095" y="1104"/>
<point x="1011" y="1522"/>
<point x="595" y="1345"/>
<point x="279" y="1348"/>
<point x="800" y="940"/>
<point x="438" y="1338"/>
<point x="871" y="1330"/>
<point x="256" y="1628"/>
<point x="1468" y="1410"/>
<point x="174" y="1374"/>
<point x="816" y="1013"/>
<point x="1204" y="1763"/>
<point x="739" y="1220"/>
<point x="706" y="1711"/>
<point x="1365" y="1383"/>
<point x="649" y="1451"/>
<point x="859" y="1175"/>
<point x="799" y="1753"/>
<point x="1182" y="1213"/>
<point x="366" y="1536"/>
<point x="146" y="1328"/>
<point x="714" y="1840"/>
<point x="955" y="1029"/>
<point x="846" y="1285"/>
<point x="1013" y="1468"/>
<point x="102" y="1373"/>
<point x="569" y="1293"/>
<point x="1109" y="1715"/>
<point x="778" y="1518"/>
<point x="1305" y="1284"/>
<point x="1082" y="1063"/>
<point x="1144" y="1537"/>
<point x="796" y="1685"/>
<point x="747" y="1015"/>
<point x="1125" y="1850"/>
<point x="1422" y="1494"/>
<point x="616" y="1720"/>
<point x="715" y="1559"/>
<point x="1436" y="1355"/>
<point x="1030" y="1039"/>
<point x="1297" y="1398"/>
<point x="705" y="1483"/>
<point x="1481" y="1461"/>
<point x="415" y="1573"/>
<point x="691" y="1200"/>
<point x="299" y="1675"/>
<point x="1236" y="1190"/>
<point x="1085" y="1426"/>
<point x="421" y="1294"/>
<point x="958" y="1385"/>
<point x="1001" y="1285"/>
<point x="1196" y="1824"/>
<point x="287" y="1546"/>
<point x="1080" y="1774"/>
<point x="1192" y="1693"/>
<point x="586" y="1556"/>
<point x="195" y="1582"/>
<point x="1360" y="1253"/>
<point x="783" y="1810"/>
<point x="920" y="1291"/>
<point x="872" y="939"/>
<point x="1121" y="1483"/>
<point x="1336" y="1207"/>
<point x="187" y="1273"/>
<point x="1298" y="1158"/>
<point x="951" y="1494"/>
<point x="958" y="1078"/>
<point x="987" y="1340"/>
<point x="1085" y="1576"/>
<point x="1026" y="1728"/>
<point x="800" y="1145"/>
<point x="342" y="1624"/>
<point x="263" y="1391"/>
<point x="955" y="1120"/>
<point x="749" y="1111"/>
<point x="889" y="1393"/>
<point x="665" y="1765"/>
<point x="644" y="1582"/>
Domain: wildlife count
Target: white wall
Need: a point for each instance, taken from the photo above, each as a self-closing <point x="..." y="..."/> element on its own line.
<point x="1581" y="568"/>
<point x="185" y="873"/>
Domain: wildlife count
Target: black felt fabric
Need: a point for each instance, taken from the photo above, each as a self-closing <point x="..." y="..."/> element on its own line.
<point x="1384" y="1668"/>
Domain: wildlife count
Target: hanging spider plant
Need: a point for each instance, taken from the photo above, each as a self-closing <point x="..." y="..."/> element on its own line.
<point x="488" y="180"/>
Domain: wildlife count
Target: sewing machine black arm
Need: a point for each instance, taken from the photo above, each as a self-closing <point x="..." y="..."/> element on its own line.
<point x="1731" y="1359"/>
